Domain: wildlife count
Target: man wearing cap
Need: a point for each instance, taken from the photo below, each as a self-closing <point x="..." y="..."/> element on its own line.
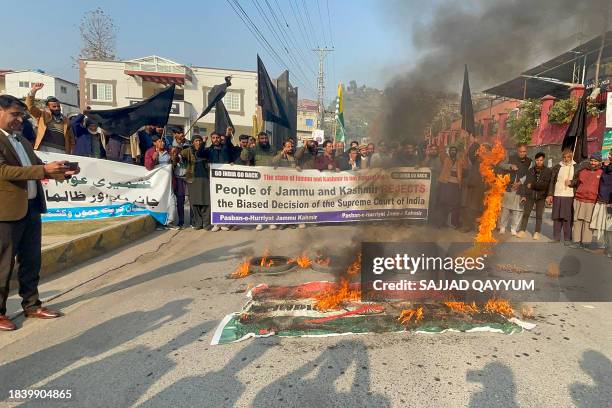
<point x="586" y="183"/>
<point x="53" y="133"/>
<point x="90" y="140"/>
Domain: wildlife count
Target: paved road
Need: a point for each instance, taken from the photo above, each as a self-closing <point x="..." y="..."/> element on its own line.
<point x="139" y="322"/>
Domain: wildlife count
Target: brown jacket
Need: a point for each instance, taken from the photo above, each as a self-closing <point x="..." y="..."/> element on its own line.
<point x="13" y="180"/>
<point x="445" y="172"/>
<point x="42" y="118"/>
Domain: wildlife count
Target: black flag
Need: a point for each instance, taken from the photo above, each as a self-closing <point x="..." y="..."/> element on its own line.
<point x="215" y="95"/>
<point x="222" y="118"/>
<point x="575" y="136"/>
<point x="467" y="109"/>
<point x="268" y="98"/>
<point x="126" y="121"/>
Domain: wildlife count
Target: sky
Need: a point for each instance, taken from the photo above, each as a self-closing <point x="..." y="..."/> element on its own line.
<point x="368" y="47"/>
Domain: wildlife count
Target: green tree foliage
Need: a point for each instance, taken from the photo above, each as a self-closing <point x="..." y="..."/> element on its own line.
<point x="522" y="125"/>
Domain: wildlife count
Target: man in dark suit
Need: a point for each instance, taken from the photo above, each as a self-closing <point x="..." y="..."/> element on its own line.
<point x="23" y="201"/>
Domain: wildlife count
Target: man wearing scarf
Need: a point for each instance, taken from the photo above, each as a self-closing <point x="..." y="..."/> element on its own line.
<point x="561" y="196"/>
<point x="195" y="160"/>
<point x="53" y="133"/>
<point x="90" y="139"/>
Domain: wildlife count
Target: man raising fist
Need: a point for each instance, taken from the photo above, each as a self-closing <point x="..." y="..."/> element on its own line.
<point x="53" y="133"/>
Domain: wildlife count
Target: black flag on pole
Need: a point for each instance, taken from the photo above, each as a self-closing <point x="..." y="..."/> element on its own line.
<point x="222" y="118"/>
<point x="467" y="109"/>
<point x="268" y="98"/>
<point x="126" y="121"/>
<point x="575" y="136"/>
<point x="215" y="95"/>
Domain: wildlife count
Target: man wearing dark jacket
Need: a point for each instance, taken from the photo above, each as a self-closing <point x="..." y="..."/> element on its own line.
<point x="535" y="193"/>
<point x="516" y="168"/>
<point x="601" y="220"/>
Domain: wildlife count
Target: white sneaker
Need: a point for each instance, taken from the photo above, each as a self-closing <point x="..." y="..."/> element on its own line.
<point x="301" y="226"/>
<point x="224" y="228"/>
<point x="513" y="232"/>
<point x="215" y="228"/>
<point x="272" y="227"/>
<point x="537" y="236"/>
<point x="502" y="230"/>
<point x="259" y="227"/>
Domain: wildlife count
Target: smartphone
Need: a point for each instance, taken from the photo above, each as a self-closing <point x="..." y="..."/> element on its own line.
<point x="73" y="165"/>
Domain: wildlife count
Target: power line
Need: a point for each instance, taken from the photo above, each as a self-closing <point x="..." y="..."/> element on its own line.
<point x="286" y="36"/>
<point x="329" y="26"/>
<point x="322" y="24"/>
<point x="259" y="36"/>
<point x="298" y="19"/>
<point x="308" y="63"/>
<point x="283" y="44"/>
<point x="310" y="25"/>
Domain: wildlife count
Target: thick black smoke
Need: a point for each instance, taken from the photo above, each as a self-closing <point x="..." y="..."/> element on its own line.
<point x="498" y="39"/>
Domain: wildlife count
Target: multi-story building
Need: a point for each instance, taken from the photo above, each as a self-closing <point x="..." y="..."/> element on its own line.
<point x="18" y="84"/>
<point x="113" y="84"/>
<point x="307" y="112"/>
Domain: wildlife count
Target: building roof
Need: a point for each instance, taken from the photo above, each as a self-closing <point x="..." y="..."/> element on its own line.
<point x="36" y="72"/>
<point x="553" y="77"/>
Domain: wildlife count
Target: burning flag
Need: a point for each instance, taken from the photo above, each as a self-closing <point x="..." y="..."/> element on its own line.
<point x="494" y="196"/>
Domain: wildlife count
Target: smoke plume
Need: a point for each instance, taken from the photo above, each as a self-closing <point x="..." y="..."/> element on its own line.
<point x="497" y="39"/>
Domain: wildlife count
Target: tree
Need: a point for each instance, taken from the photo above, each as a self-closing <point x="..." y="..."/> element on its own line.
<point x="98" y="36"/>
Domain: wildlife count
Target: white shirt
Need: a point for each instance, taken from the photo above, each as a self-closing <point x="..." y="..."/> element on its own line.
<point x="24" y="159"/>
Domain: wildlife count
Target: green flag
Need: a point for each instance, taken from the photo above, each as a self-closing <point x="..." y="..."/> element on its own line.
<point x="339" y="116"/>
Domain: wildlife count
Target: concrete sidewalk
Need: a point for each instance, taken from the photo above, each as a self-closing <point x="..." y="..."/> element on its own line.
<point x="67" y="244"/>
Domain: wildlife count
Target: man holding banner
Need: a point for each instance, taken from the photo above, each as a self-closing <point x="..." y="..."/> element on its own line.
<point x="20" y="223"/>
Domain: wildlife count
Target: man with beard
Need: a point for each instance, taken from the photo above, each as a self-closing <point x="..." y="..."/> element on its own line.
<point x="516" y="168"/>
<point x="326" y="161"/>
<point x="53" y="132"/>
<point x="242" y="145"/>
<point x="222" y="153"/>
<point x="195" y="161"/>
<point x="381" y="157"/>
<point x="307" y="154"/>
<point x="90" y="139"/>
<point x="261" y="155"/>
<point x="407" y="156"/>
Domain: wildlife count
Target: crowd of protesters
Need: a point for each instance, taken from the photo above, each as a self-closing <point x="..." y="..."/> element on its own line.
<point x="580" y="193"/>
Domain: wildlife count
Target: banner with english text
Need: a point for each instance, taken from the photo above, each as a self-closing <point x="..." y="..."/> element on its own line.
<point x="264" y="195"/>
<point x="106" y="188"/>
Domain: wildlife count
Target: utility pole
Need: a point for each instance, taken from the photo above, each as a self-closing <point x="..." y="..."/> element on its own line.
<point x="322" y="53"/>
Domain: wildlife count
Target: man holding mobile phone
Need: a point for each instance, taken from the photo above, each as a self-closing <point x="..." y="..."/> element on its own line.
<point x="23" y="201"/>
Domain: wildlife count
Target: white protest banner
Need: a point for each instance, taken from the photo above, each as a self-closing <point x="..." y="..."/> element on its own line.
<point x="107" y="188"/>
<point x="264" y="195"/>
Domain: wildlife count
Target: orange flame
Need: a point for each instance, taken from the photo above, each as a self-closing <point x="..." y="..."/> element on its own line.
<point x="333" y="298"/>
<point x="527" y="312"/>
<point x="409" y="314"/>
<point x="265" y="262"/>
<point x="500" y="306"/>
<point x="461" y="307"/>
<point x="355" y="267"/>
<point x="496" y="188"/>
<point x="242" y="270"/>
<point x="303" y="261"/>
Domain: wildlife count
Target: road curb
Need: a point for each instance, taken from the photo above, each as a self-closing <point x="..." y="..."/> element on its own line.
<point x="64" y="255"/>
